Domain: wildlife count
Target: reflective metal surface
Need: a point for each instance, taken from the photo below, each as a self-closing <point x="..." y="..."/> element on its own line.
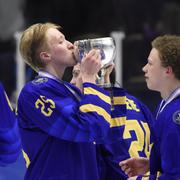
<point x="106" y="46"/>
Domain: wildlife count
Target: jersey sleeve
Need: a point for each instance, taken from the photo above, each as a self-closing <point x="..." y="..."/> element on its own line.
<point x="118" y="115"/>
<point x="58" y="113"/>
<point x="10" y="145"/>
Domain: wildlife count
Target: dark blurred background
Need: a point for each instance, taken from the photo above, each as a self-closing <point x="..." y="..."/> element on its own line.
<point x="140" y="20"/>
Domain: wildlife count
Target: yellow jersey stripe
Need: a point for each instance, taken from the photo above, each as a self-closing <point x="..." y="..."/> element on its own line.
<point x="119" y="121"/>
<point x="112" y="121"/>
<point x="119" y="100"/>
<point x="97" y="93"/>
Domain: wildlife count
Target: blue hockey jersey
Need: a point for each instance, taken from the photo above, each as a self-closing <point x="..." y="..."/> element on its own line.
<point x="135" y="142"/>
<point x="165" y="157"/>
<point x="60" y="126"/>
<point x="10" y="143"/>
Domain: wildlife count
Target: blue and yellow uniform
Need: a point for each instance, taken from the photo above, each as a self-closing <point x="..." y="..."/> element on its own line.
<point x="59" y="125"/>
<point x="135" y="141"/>
<point x="10" y="143"/>
<point x="165" y="156"/>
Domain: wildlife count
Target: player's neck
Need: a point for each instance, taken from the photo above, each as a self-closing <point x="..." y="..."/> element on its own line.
<point x="166" y="93"/>
<point x="54" y="71"/>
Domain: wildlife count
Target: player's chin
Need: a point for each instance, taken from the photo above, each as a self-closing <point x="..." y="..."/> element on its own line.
<point x="147" y="83"/>
<point x="74" y="58"/>
<point x="72" y="61"/>
<point x="150" y="86"/>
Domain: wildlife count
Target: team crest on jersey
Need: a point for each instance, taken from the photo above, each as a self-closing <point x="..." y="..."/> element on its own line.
<point x="40" y="80"/>
<point x="176" y="117"/>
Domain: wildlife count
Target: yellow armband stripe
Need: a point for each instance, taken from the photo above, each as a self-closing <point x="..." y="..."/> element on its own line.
<point x="112" y="121"/>
<point x="97" y="93"/>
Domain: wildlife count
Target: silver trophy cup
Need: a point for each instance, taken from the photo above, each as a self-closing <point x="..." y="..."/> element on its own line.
<point x="107" y="49"/>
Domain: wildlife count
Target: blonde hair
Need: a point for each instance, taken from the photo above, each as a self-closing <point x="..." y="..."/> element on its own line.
<point x="33" y="41"/>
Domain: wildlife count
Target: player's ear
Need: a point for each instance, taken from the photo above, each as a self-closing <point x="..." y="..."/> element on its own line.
<point x="169" y="70"/>
<point x="45" y="56"/>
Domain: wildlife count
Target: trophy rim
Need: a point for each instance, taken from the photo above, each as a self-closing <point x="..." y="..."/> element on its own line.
<point x="95" y="39"/>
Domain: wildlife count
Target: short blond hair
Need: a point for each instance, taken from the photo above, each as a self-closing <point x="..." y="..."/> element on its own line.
<point x="33" y="41"/>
